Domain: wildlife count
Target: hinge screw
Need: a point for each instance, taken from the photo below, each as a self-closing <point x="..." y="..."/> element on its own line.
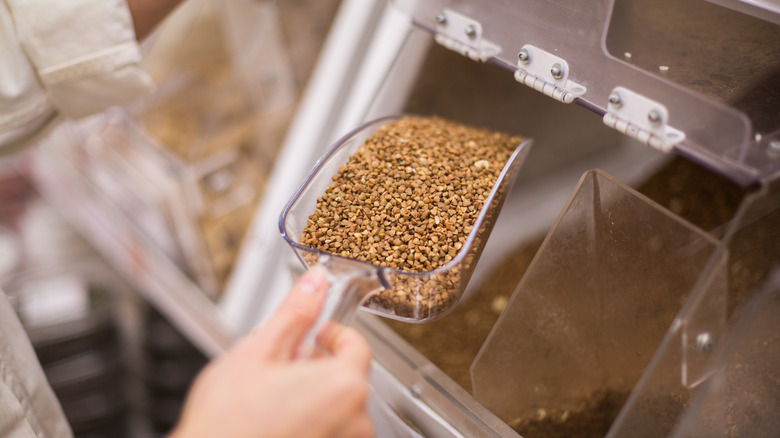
<point x="654" y="116"/>
<point x="614" y="99"/>
<point x="524" y="56"/>
<point x="556" y="71"/>
<point x="471" y="31"/>
<point x="441" y="19"/>
<point x="705" y="343"/>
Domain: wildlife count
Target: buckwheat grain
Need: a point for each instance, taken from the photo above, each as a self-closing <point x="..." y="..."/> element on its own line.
<point x="407" y="199"/>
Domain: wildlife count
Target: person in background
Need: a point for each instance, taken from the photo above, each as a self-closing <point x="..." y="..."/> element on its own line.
<point x="262" y="388"/>
<point x="75" y="58"/>
<point x="70" y="60"/>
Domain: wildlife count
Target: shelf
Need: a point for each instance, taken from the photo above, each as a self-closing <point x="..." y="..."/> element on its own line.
<point x="129" y="250"/>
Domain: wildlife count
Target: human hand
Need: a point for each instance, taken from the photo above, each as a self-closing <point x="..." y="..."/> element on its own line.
<point x="262" y="388"/>
<point x="147" y="14"/>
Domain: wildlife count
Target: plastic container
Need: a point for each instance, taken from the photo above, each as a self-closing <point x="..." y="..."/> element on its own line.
<point x="188" y="164"/>
<point x="594" y="305"/>
<point x="226" y="94"/>
<point x="432" y="293"/>
<point x="622" y="59"/>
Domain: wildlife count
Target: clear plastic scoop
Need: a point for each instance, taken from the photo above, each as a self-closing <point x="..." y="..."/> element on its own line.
<point x="408" y="296"/>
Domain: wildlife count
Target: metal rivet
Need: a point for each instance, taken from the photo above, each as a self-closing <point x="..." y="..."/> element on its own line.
<point x="705" y="343"/>
<point x="654" y="116"/>
<point x="524" y="56"/>
<point x="556" y="71"/>
<point x="441" y="19"/>
<point x="415" y="390"/>
<point x="614" y="99"/>
<point x="471" y="31"/>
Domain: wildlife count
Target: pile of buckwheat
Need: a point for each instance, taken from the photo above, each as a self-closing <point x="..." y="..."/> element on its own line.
<point x="408" y="197"/>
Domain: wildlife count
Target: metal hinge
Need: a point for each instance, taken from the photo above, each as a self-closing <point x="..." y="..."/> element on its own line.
<point x="641" y="118"/>
<point x="462" y="34"/>
<point x="546" y="73"/>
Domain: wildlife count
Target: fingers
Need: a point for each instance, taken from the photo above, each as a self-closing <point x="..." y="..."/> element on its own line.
<point x="346" y="344"/>
<point x="360" y="427"/>
<point x="284" y="331"/>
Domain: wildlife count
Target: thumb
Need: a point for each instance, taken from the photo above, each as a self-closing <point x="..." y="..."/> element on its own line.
<point x="297" y="313"/>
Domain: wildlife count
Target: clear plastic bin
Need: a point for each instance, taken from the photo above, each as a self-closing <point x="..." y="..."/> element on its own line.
<point x="226" y="95"/>
<point x="590" y="311"/>
<point x="741" y="396"/>
<point x="189" y="165"/>
<point x="716" y="372"/>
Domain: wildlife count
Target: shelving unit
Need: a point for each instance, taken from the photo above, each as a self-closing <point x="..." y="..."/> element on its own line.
<point x="135" y="249"/>
<point x="129" y="250"/>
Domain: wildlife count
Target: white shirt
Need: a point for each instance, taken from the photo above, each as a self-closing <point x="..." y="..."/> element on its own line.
<point x="64" y="58"/>
<point x="58" y="58"/>
<point x="28" y="406"/>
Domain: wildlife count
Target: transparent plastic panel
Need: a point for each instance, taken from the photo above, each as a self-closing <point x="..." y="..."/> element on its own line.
<point x="722" y="54"/>
<point x="712" y="71"/>
<point x="728" y="381"/>
<point x="681" y="363"/>
<point x="743" y="396"/>
<point x="226" y="95"/>
<point x="739" y="395"/>
<point x="768" y="10"/>
<point x="590" y="311"/>
<point x="728" y="75"/>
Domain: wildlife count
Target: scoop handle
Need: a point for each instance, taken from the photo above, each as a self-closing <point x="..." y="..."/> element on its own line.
<point x="350" y="284"/>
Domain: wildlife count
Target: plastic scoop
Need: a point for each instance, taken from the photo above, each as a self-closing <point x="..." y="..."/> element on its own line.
<point x="404" y="295"/>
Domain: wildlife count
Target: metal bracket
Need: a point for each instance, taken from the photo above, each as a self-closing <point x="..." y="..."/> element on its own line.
<point x="462" y="34"/>
<point x="641" y="118"/>
<point x="546" y="73"/>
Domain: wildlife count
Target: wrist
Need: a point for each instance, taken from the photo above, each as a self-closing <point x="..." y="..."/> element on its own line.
<point x="147" y="14"/>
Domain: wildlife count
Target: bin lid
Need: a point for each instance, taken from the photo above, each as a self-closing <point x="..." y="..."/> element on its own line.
<point x="699" y="77"/>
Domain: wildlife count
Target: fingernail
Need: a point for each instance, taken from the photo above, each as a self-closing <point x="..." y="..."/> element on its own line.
<point x="314" y="280"/>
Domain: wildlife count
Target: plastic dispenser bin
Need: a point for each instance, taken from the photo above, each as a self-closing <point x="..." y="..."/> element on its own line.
<point x="655" y="70"/>
<point x="226" y="94"/>
<point x="188" y="164"/>
<point x="590" y="312"/>
<point x="716" y="374"/>
<point x="742" y="396"/>
<point x="739" y="392"/>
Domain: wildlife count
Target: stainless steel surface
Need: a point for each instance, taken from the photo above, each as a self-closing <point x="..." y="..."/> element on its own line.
<point x="419" y="392"/>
